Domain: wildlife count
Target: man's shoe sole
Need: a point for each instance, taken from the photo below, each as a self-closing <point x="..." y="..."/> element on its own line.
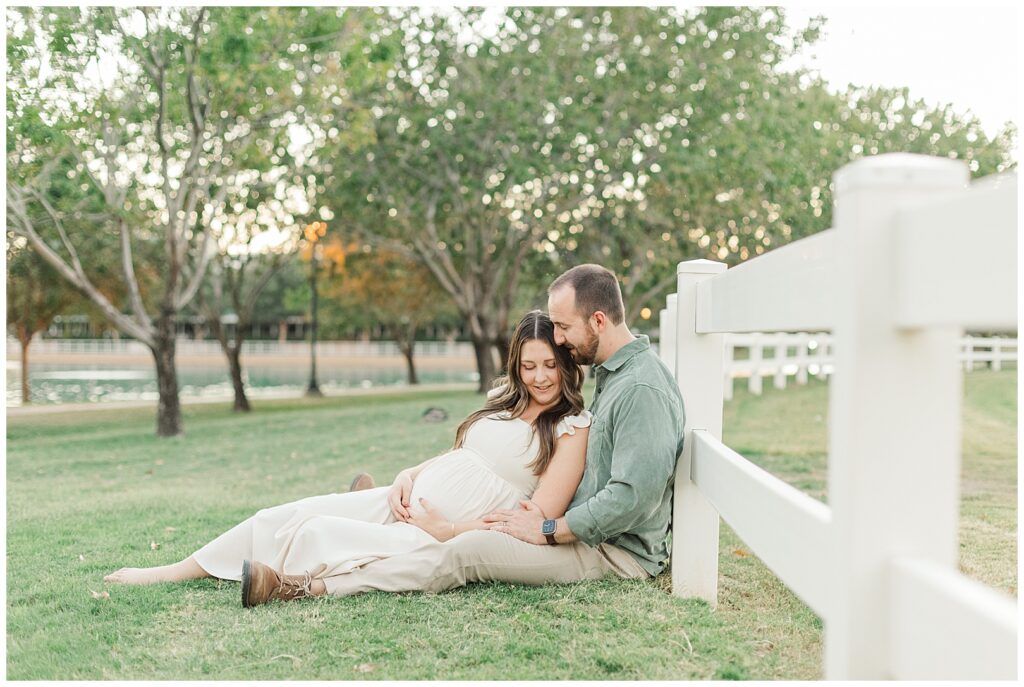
<point x="246" y="581"/>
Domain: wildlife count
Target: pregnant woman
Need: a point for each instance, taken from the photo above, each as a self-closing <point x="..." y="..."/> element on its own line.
<point x="528" y="442"/>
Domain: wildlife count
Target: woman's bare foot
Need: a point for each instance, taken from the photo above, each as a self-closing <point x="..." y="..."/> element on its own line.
<point x="187" y="569"/>
<point x="137" y="576"/>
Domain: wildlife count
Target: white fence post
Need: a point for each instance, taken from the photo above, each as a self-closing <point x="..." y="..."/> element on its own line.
<point x="801" y="359"/>
<point x="894" y="414"/>
<point x="666" y="345"/>
<point x="668" y="334"/>
<point x="695" y="521"/>
<point x="997" y="354"/>
<point x="728" y="353"/>
<point x="756" y="354"/>
<point x="781" y="358"/>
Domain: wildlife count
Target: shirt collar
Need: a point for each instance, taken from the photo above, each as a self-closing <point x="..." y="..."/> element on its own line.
<point x="624" y="354"/>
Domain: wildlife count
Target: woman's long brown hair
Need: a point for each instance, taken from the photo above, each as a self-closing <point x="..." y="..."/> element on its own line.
<point x="515" y="398"/>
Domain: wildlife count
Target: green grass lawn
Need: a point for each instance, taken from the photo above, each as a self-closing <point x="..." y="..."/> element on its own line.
<point x="88" y="493"/>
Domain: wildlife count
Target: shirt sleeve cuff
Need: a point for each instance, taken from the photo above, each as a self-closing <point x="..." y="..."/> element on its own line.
<point x="583" y="525"/>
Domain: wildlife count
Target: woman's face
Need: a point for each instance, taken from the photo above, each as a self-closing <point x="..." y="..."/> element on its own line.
<point x="539" y="371"/>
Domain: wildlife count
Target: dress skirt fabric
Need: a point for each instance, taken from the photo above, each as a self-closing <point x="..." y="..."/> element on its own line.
<point x="347" y="531"/>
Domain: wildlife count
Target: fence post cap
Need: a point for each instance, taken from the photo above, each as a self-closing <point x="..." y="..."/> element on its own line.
<point x="701" y="267"/>
<point x="894" y="169"/>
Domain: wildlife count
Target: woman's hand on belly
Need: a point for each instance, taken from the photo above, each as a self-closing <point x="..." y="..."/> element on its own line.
<point x="428" y="519"/>
<point x="398" y="497"/>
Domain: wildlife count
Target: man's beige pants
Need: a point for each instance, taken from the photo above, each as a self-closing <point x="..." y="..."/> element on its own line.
<point x="485" y="556"/>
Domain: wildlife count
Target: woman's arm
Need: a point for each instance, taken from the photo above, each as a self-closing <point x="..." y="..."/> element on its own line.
<point x="436" y="525"/>
<point x="552" y="497"/>
<point x="559" y="481"/>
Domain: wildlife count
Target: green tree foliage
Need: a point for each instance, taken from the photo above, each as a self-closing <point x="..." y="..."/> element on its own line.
<point x="753" y="169"/>
<point x="393" y="291"/>
<point x="181" y="107"/>
<point x="501" y="141"/>
<point x="509" y="146"/>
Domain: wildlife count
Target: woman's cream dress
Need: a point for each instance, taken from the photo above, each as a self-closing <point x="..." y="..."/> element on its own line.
<point x="346" y="531"/>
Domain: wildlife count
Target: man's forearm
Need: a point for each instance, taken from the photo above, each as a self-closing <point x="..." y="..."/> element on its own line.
<point x="563" y="535"/>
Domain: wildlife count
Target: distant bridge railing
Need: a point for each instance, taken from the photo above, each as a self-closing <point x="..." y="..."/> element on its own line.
<point x="895" y="285"/>
<point x="191" y="347"/>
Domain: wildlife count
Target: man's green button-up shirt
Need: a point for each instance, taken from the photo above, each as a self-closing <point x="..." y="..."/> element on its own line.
<point x="636" y="437"/>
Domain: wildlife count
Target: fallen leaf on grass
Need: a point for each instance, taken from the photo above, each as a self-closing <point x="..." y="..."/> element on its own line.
<point x="741" y="553"/>
<point x="170" y="529"/>
<point x="99" y="595"/>
<point x="153" y="545"/>
<point x="365" y="668"/>
<point x="81" y="557"/>
<point x="763" y="648"/>
<point x="159" y="461"/>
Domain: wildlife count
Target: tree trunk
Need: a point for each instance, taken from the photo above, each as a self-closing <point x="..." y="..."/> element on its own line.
<point x="168" y="414"/>
<point x="26" y="391"/>
<point x="282" y="331"/>
<point x="503" y="346"/>
<point x="483" y="349"/>
<point x="235" y="365"/>
<point x="407" y="344"/>
<point x="233" y="352"/>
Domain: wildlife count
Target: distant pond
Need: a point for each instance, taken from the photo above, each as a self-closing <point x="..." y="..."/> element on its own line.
<point x="76" y="383"/>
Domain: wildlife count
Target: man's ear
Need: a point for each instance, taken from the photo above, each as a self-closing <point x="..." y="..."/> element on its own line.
<point x="601" y="320"/>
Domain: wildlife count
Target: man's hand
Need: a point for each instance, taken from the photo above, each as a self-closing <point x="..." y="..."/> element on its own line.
<point x="523" y="523"/>
<point x="398" y="497"/>
<point x="432" y="522"/>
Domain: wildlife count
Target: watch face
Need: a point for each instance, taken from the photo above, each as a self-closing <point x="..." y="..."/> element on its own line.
<point x="549" y="527"/>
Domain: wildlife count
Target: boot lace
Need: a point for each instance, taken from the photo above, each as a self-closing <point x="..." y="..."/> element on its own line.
<point x="289" y="588"/>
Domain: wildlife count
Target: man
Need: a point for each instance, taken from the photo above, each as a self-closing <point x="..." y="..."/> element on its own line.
<point x="618" y="520"/>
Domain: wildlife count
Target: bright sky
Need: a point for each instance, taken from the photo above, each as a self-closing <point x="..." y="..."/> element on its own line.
<point x="967" y="56"/>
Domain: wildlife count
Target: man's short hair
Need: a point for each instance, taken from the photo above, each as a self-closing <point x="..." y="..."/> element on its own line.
<point x="596" y="289"/>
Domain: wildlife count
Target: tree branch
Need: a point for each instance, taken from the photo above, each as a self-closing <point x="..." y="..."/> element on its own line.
<point x="127" y="265"/>
<point x="82" y="283"/>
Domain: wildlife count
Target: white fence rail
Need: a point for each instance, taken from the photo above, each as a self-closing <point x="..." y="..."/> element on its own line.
<point x="783" y="355"/>
<point x="879" y="563"/>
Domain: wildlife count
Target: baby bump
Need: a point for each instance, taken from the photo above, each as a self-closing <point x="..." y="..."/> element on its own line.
<point x="461" y="487"/>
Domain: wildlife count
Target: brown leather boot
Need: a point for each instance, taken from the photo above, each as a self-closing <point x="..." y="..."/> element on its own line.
<point x="261" y="583"/>
<point x="363" y="480"/>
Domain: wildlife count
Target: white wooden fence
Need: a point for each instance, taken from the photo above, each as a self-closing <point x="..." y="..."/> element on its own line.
<point x="891" y="283"/>
<point x="799" y="355"/>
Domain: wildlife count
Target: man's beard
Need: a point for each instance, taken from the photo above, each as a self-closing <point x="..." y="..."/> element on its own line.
<point x="585" y="354"/>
